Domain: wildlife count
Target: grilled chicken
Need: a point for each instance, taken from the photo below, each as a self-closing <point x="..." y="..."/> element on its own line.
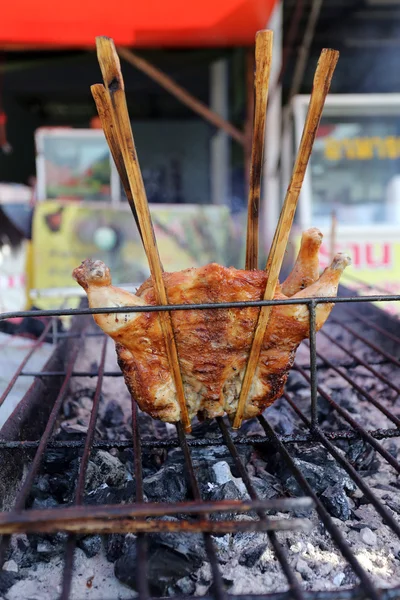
<point x="213" y="345"/>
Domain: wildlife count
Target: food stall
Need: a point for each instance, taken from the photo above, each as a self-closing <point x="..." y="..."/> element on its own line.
<point x="351" y="189"/>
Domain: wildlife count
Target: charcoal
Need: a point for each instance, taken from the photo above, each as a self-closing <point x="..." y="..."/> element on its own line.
<point x="105" y="468"/>
<point x="296" y="382"/>
<point x="282" y="418"/>
<point x="191" y="547"/>
<point x="114" y="546"/>
<point x="263" y="488"/>
<point x="57" y="460"/>
<point x="319" y="468"/>
<point x="24" y="553"/>
<point x="395" y="506"/>
<point x="250" y="556"/>
<point x="43" y="503"/>
<point x="41" y="487"/>
<point x="7" y="580"/>
<point x="165" y="568"/>
<point x="113" y="415"/>
<point x="62" y="484"/>
<point x="336" y="502"/>
<point x="10" y="565"/>
<point x="90" y="544"/>
<point x="45" y="550"/>
<point x="112" y="495"/>
<point x="226" y="491"/>
<point x="360" y="454"/>
<point x="186" y="585"/>
<point x="167" y="485"/>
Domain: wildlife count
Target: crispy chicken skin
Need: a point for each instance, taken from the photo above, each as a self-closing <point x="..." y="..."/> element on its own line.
<point x="213" y="345"/>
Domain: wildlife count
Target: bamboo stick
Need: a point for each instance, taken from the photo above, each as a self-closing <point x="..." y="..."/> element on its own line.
<point x="181" y="94"/>
<point x="333" y="236"/>
<point x="114" y="84"/>
<point x="105" y="112"/>
<point x="263" y="58"/>
<point x="322" y="80"/>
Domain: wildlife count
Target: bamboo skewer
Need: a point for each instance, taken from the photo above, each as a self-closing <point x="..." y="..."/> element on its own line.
<point x="333" y="236"/>
<point x="114" y="85"/>
<point x="322" y="80"/>
<point x="263" y="58"/>
<point x="105" y="112"/>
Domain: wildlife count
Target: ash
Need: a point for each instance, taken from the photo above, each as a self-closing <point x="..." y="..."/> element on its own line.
<point x="177" y="563"/>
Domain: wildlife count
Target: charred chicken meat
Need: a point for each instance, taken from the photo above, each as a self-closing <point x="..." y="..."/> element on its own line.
<point x="213" y="345"/>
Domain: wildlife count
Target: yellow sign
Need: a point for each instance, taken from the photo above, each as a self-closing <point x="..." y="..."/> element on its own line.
<point x="362" y="148"/>
<point x="64" y="234"/>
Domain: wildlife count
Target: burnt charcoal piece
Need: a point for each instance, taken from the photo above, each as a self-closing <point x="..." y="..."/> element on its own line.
<point x="58" y="460"/>
<point x="90" y="544"/>
<point x="125" y="568"/>
<point x="113" y="415"/>
<point x="105" y="468"/>
<point x="226" y="491"/>
<point x="318" y="467"/>
<point x="186" y="585"/>
<point x="189" y="546"/>
<point x="296" y="382"/>
<point x="114" y="546"/>
<point x="251" y="556"/>
<point x="322" y="472"/>
<point x="263" y="487"/>
<point x="282" y="418"/>
<point x="167" y="485"/>
<point x="165" y="568"/>
<point x="361" y="455"/>
<point x="112" y="495"/>
<point x="7" y="580"/>
<point x="43" y="503"/>
<point x="41" y="487"/>
<point x="62" y="482"/>
<point x="335" y="500"/>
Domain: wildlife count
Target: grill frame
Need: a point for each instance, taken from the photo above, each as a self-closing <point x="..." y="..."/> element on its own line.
<point x="366" y="588"/>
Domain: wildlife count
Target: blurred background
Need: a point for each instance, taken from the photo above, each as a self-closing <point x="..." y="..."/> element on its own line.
<point x="60" y="196"/>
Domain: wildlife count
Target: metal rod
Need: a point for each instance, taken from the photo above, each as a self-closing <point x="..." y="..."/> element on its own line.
<point x="74" y="374"/>
<point x="374" y="500"/>
<point x="313" y="367"/>
<point x="23" y="493"/>
<point x="343" y="413"/>
<point x="362" y="362"/>
<point x="141" y="542"/>
<point x="363" y="339"/>
<point x="303" y="438"/>
<point x="24" y="362"/>
<point x="219" y="589"/>
<point x="295" y="587"/>
<point x="71" y="542"/>
<point x="371" y="324"/>
<point x="204" y="306"/>
<point x="323" y="514"/>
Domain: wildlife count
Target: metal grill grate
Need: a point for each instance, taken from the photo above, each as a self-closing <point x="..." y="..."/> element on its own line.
<point x="141" y="517"/>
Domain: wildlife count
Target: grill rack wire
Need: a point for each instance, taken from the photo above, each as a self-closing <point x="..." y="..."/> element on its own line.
<point x="77" y="519"/>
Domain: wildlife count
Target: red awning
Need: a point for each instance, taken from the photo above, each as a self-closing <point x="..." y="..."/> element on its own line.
<point x="141" y="23"/>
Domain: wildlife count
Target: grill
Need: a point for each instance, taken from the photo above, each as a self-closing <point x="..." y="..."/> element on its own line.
<point x="21" y="440"/>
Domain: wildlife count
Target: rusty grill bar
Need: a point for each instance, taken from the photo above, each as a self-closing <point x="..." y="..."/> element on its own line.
<point x="141" y="517"/>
